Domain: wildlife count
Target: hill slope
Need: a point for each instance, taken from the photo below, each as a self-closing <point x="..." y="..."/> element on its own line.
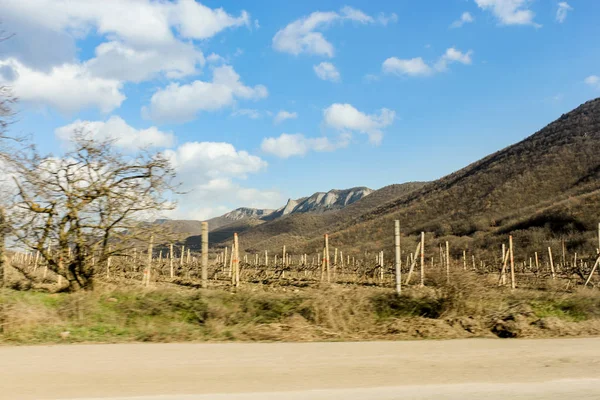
<point x="520" y="189"/>
<point x="244" y="218"/>
<point x="298" y="228"/>
<point x="525" y="187"/>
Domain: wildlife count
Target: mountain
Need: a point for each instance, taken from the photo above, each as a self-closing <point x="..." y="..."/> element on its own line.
<point x="243" y="213"/>
<point x="296" y="228"/>
<point x="321" y="202"/>
<point x="181" y="225"/>
<point x="244" y="218"/>
<point x="543" y="189"/>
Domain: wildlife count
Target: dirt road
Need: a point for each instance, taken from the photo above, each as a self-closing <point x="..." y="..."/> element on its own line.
<point x="446" y="370"/>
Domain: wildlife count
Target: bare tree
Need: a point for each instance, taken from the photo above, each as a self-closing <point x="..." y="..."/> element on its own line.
<point x="88" y="205"/>
<point x="7" y="101"/>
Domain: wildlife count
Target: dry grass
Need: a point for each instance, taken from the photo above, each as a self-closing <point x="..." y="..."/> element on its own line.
<point x="467" y="307"/>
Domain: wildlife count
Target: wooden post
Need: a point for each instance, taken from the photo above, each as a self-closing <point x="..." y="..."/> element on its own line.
<point x="283" y="256"/>
<point x="171" y="260"/>
<point x="149" y="265"/>
<point x="464" y="260"/>
<point x="412" y="265"/>
<point x="422" y="259"/>
<point x="231" y="257"/>
<point x="204" y="255"/>
<point x="530" y="264"/>
<point x="513" y="284"/>
<point x="236" y="261"/>
<point x="503" y="274"/>
<point x="593" y="270"/>
<point x="381" y="263"/>
<point x="502" y="280"/>
<point x="266" y="258"/>
<point x="447" y="262"/>
<point x="46" y="265"/>
<point x="108" y="260"/>
<point x="335" y="261"/>
<point x="564" y="259"/>
<point x="398" y="257"/>
<point x="551" y="261"/>
<point x="283" y="262"/>
<point x="326" y="257"/>
<point x="182" y="255"/>
<point x="537" y="262"/>
<point x="37" y="259"/>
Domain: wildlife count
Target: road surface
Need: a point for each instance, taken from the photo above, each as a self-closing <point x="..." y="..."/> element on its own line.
<point x="444" y="370"/>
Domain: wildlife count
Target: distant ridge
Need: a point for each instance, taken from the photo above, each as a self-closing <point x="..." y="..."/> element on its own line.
<point x="244" y="218"/>
<point x="321" y="201"/>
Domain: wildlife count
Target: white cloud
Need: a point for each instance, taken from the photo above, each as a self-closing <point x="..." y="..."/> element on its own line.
<point x="356" y="15"/>
<point x="411" y="67"/>
<point x="304" y="36"/>
<point x="68" y="87"/>
<point x="219" y="196"/>
<point x="509" y="12"/>
<point x="418" y="67"/>
<point x="453" y="55"/>
<point x="593" y="81"/>
<point x="182" y="102"/>
<point x="283" y="115"/>
<point x="154" y="20"/>
<point x="247" y="112"/>
<point x="465" y="18"/>
<point x="139" y="40"/>
<point x="288" y="145"/>
<point x="197" y="21"/>
<point x="386" y="19"/>
<point x="327" y="72"/>
<point x="215" y="58"/>
<point x="209" y="172"/>
<point x="345" y="117"/>
<point x="117" y="60"/>
<point x="561" y="12"/>
<point x="115" y="128"/>
<point x="214" y="160"/>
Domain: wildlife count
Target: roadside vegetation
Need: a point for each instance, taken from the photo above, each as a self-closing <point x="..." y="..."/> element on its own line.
<point x="466" y="308"/>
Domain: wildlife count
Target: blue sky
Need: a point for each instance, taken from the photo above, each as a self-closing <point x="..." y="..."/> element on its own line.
<point x="376" y="92"/>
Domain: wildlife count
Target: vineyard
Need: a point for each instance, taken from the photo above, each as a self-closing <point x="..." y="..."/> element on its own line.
<point x="177" y="265"/>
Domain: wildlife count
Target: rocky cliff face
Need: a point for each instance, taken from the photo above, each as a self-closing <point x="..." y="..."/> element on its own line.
<point x="245" y="212"/>
<point x="320" y="202"/>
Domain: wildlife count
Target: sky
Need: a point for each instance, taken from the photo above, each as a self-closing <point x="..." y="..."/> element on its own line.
<point x="257" y="102"/>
